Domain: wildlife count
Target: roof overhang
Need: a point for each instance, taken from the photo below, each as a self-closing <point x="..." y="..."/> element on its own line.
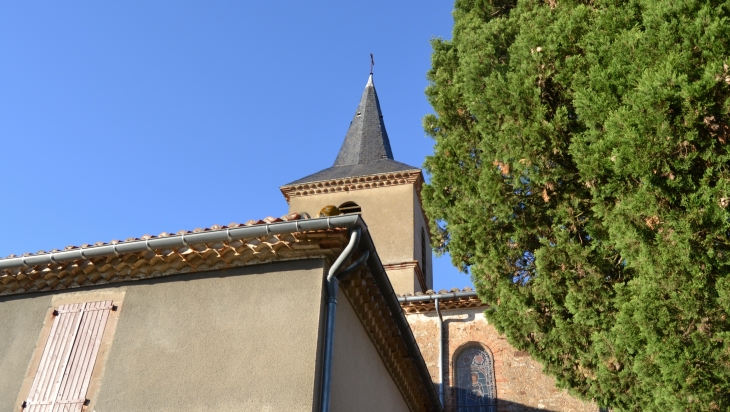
<point x="258" y="242"/>
<point x="372" y="181"/>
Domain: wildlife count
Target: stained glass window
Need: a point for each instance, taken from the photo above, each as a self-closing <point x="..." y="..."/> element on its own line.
<point x="475" y="389"/>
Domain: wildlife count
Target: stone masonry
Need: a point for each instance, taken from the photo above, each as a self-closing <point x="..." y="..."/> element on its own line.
<point x="520" y="383"/>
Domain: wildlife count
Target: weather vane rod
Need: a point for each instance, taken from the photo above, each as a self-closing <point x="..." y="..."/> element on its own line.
<point x="372" y="63"/>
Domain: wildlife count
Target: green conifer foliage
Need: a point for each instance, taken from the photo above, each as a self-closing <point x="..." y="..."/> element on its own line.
<point x="581" y="174"/>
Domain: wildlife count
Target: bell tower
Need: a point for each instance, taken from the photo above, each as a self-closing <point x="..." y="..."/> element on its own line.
<point x="366" y="179"/>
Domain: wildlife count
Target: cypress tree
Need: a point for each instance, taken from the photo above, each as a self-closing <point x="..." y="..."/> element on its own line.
<point x="580" y="174"/>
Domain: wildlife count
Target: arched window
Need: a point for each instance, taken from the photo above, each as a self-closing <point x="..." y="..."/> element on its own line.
<point x="349" y="207"/>
<point x="475" y="388"/>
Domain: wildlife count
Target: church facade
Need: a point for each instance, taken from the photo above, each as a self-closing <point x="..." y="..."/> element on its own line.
<point x="471" y="364"/>
<point x="329" y="307"/>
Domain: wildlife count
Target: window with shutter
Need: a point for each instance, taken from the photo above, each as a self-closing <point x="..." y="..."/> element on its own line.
<point x="64" y="372"/>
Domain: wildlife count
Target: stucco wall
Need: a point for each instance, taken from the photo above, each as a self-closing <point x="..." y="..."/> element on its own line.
<point x="521" y="385"/>
<point x="21" y="322"/>
<point x="403" y="280"/>
<point x="389" y="213"/>
<point x="360" y="382"/>
<point x="242" y="339"/>
<point x="245" y="339"/>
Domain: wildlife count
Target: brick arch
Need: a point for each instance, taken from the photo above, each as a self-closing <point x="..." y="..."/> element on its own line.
<point x="488" y="386"/>
<point x="472" y="343"/>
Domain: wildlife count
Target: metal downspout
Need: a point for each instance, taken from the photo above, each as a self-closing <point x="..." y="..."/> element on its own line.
<point x="332" y="285"/>
<point x="441" y="352"/>
<point x="437" y="298"/>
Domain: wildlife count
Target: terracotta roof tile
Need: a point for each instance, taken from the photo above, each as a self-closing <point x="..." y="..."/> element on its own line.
<point x="270" y="219"/>
<point x="195" y="258"/>
<point x="445" y="303"/>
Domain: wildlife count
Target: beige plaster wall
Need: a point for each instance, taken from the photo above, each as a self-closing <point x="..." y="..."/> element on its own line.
<point x="389" y="213"/>
<point x="360" y="382"/>
<point x="403" y="280"/>
<point x="521" y="385"/>
<point x="242" y="339"/>
<point x="21" y="322"/>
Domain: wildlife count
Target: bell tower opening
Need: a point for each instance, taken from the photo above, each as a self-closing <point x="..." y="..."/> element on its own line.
<point x="350" y="208"/>
<point x="365" y="179"/>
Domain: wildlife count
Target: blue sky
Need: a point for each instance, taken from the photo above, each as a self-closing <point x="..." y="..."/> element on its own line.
<point x="119" y="120"/>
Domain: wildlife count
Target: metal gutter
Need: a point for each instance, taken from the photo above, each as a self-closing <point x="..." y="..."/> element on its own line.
<point x="441" y="352"/>
<point x="174" y="241"/>
<point x="333" y="286"/>
<point x="391" y="299"/>
<point x="441" y="296"/>
<point x="437" y="298"/>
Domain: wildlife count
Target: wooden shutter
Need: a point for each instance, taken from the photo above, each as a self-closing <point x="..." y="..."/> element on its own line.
<point x="64" y="372"/>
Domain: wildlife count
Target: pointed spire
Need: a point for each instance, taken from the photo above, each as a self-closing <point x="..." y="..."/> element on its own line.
<point x="366" y="149"/>
<point x="366" y="141"/>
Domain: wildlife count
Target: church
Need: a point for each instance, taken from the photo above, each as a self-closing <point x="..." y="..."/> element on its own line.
<point x="328" y="308"/>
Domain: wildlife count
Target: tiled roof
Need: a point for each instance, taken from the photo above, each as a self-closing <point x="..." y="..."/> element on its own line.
<point x="186" y="259"/>
<point x="444" y="303"/>
<point x="366" y="149"/>
<point x="270" y="219"/>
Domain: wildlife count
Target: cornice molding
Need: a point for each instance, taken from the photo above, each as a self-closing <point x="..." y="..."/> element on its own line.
<point x="414" y="177"/>
<point x="412" y="264"/>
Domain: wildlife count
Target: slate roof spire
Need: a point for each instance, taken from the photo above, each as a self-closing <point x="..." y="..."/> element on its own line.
<point x="366" y="140"/>
<point x="366" y="149"/>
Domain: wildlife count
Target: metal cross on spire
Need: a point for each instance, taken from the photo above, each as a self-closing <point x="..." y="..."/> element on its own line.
<point x="372" y="63"/>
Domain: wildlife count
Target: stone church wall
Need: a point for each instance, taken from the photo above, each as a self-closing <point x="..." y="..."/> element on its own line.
<point x="520" y="383"/>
